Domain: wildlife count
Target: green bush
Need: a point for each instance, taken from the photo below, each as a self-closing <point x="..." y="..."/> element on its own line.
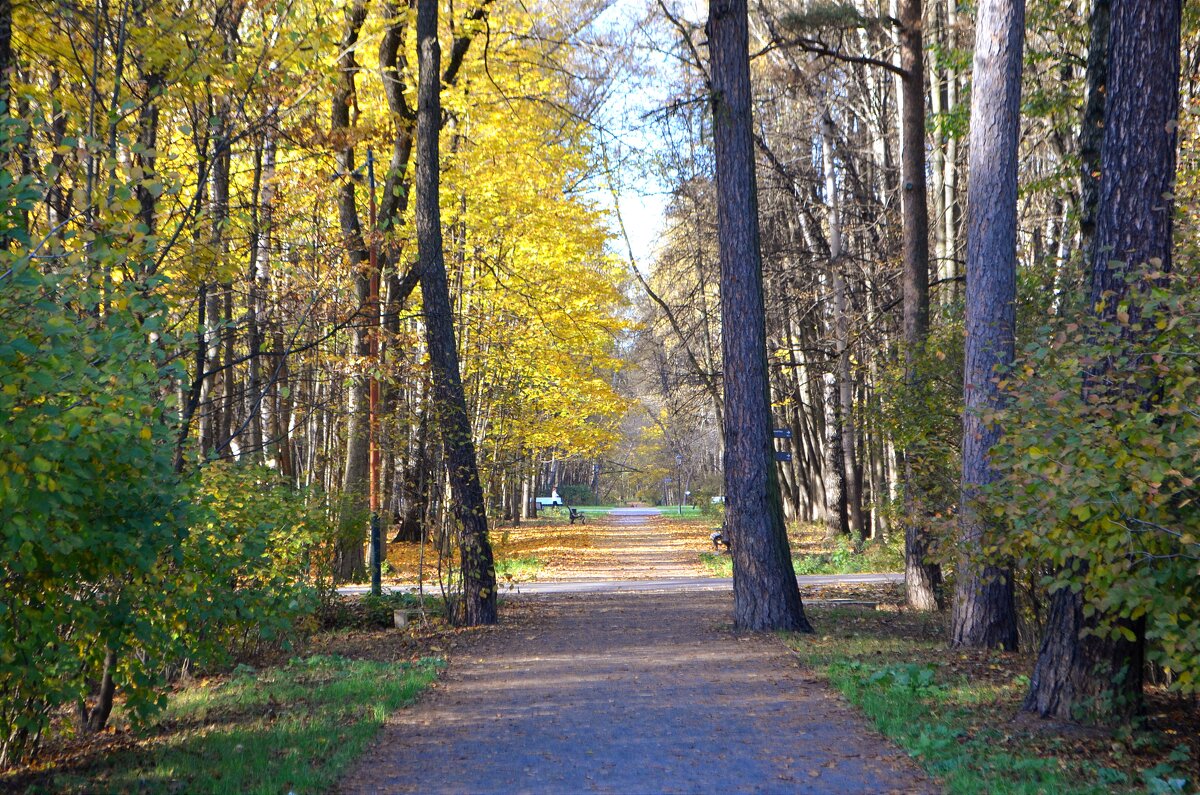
<point x="1099" y="463"/>
<point x="257" y="562"/>
<point x="91" y="513"/>
<point x="576" y="495"/>
<point x="114" y="570"/>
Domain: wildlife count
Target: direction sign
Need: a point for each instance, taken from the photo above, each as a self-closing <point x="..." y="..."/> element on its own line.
<point x="783" y="433"/>
<point x="782" y="456"/>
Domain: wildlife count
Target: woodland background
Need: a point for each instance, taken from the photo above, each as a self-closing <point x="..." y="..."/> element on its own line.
<point x="185" y="353"/>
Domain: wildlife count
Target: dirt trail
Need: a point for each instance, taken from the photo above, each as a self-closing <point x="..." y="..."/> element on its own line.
<point x="630" y="693"/>
<point x="629" y="544"/>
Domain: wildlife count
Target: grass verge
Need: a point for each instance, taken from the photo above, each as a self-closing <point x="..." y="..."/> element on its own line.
<point x="518" y="569"/>
<point x="288" y="729"/>
<point x="837" y="558"/>
<point x="957" y="713"/>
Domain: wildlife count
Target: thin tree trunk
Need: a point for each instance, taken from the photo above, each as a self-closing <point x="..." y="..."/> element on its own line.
<point x="984" y="607"/>
<point x="479" y="575"/>
<point x="765" y="595"/>
<point x="852" y="483"/>
<point x="922" y="577"/>
<point x="836" y="519"/>
<point x="351" y="563"/>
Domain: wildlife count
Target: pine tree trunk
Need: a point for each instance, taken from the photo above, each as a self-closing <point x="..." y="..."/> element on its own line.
<point x="922" y="577"/>
<point x="765" y="595"/>
<point x="984" y="605"/>
<point x="449" y="403"/>
<point x="1079" y="674"/>
<point x="1091" y="129"/>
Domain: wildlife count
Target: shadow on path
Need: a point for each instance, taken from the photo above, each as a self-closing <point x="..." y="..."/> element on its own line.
<point x="631" y="693"/>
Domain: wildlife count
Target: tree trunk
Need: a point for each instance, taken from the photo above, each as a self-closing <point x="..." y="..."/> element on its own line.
<point x="852" y="484"/>
<point x="7" y="61"/>
<point x="449" y="403"/>
<point x="836" y="520"/>
<point x="765" y="595"/>
<point x="1091" y="129"/>
<point x="1078" y="672"/>
<point x="92" y="720"/>
<point x="922" y="577"/>
<point x="984" y="607"/>
<point x="351" y="563"/>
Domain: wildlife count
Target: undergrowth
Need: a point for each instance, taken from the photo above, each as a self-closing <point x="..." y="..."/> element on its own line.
<point x="288" y="729"/>
<point x="956" y="713"/>
<point x="841" y="558"/>
<point x="518" y="569"/>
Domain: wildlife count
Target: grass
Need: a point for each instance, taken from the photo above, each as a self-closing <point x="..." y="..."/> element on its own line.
<point x="289" y="729"/>
<point x="836" y="557"/>
<point x="518" y="569"/>
<point x="954" y="712"/>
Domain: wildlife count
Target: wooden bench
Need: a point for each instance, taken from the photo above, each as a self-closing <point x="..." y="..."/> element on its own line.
<point x="576" y="515"/>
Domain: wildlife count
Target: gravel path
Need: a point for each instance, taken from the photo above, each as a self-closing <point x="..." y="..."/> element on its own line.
<point x="630" y="693"/>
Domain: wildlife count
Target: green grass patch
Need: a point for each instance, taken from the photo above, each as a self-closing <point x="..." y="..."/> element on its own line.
<point x="294" y="728"/>
<point x="519" y="569"/>
<point x="954" y="712"/>
<point x="841" y="558"/>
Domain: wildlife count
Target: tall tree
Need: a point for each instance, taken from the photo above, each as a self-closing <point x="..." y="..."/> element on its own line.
<point x="841" y="336"/>
<point x="350" y="562"/>
<point x="1079" y="669"/>
<point x="765" y="594"/>
<point x="984" y="606"/>
<point x="922" y="577"/>
<point x="450" y="406"/>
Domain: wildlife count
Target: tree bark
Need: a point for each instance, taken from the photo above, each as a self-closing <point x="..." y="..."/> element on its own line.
<point x="984" y="606"/>
<point x="851" y="483"/>
<point x="351" y="563"/>
<point x="1080" y="674"/>
<point x="836" y="520"/>
<point x="479" y="575"/>
<point x="1091" y="130"/>
<point x="922" y="577"/>
<point x="765" y="595"/>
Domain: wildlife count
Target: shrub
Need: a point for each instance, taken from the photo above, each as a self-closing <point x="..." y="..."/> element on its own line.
<point x="256" y="564"/>
<point x="90" y="510"/>
<point x="1099" y="462"/>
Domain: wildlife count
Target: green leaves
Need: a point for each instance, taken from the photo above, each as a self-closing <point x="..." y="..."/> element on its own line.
<point x="1098" y="461"/>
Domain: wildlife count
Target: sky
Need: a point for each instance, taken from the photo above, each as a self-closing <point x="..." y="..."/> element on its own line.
<point x="631" y="141"/>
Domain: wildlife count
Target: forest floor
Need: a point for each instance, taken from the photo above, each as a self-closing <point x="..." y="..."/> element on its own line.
<point x="627" y="544"/>
<point x="614" y="546"/>
<point x="630" y="692"/>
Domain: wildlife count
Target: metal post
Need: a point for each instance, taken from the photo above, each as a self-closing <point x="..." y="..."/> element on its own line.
<point x="373" y="413"/>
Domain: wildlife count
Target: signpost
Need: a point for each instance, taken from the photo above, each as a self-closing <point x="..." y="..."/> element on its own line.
<point x="781" y="455"/>
<point x="783" y="433"/>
